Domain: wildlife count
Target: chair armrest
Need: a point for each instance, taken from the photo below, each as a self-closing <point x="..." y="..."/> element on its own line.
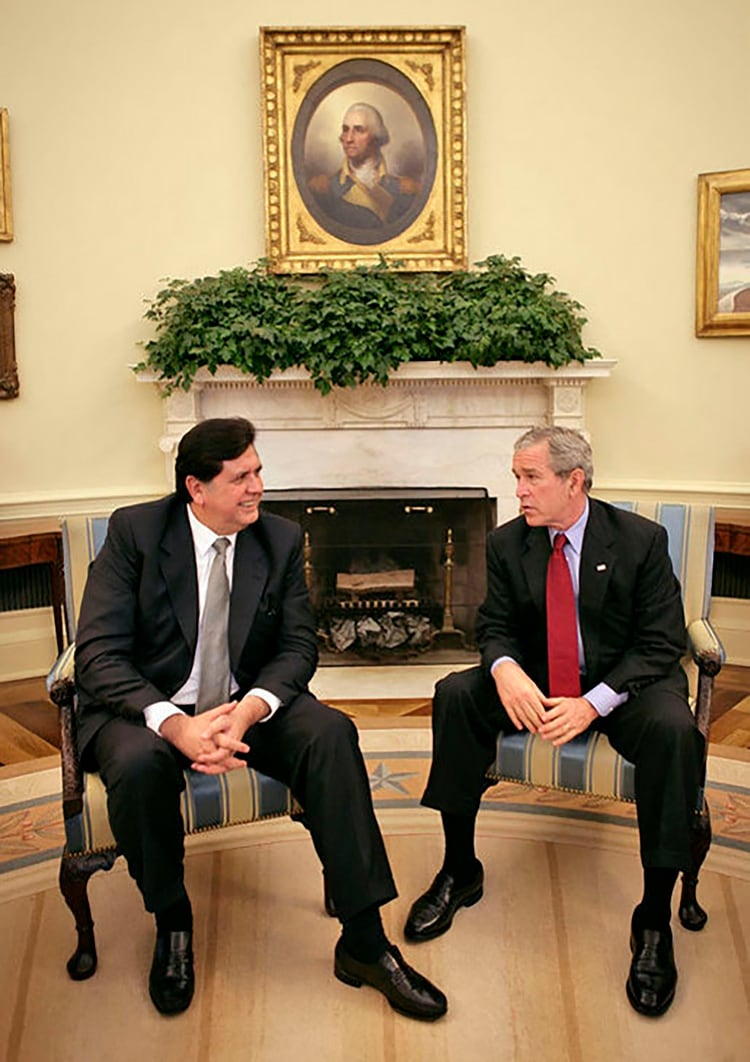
<point x="708" y="653"/>
<point x="705" y="647"/>
<point x="63" y="694"/>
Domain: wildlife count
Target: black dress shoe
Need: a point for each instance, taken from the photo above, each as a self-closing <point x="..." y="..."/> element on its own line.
<point x="172" y="980"/>
<point x="653" y="974"/>
<point x="407" y="991"/>
<point x="432" y="914"/>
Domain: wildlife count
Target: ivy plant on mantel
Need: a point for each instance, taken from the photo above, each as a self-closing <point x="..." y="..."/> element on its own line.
<point x="348" y="327"/>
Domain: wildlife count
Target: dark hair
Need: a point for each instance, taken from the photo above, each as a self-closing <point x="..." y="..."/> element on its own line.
<point x="204" y="449"/>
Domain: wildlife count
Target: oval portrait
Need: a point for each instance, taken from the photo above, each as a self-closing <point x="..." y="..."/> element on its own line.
<point x="364" y="151"/>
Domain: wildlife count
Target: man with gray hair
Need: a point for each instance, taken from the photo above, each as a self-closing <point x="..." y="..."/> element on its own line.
<point x="582" y="626"/>
<point x="363" y="194"/>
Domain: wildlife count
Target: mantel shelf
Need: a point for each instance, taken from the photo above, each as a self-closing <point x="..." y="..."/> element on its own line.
<point x="438" y="423"/>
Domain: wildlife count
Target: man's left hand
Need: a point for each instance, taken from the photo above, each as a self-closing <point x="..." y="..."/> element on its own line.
<point x="226" y="733"/>
<point x="566" y="717"/>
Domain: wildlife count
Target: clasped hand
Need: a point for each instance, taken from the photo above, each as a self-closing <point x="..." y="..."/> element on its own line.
<point x="555" y="719"/>
<point x="212" y="739"/>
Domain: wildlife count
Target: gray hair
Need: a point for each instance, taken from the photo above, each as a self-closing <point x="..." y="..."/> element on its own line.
<point x="375" y="122"/>
<point x="568" y="450"/>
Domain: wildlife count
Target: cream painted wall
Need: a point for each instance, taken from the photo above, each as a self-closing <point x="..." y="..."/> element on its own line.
<point x="136" y="155"/>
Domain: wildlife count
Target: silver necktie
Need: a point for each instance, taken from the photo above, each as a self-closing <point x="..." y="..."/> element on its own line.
<point x="213" y="687"/>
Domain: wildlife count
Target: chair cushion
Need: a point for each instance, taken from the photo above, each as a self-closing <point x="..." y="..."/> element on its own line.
<point x="208" y="802"/>
<point x="587" y="764"/>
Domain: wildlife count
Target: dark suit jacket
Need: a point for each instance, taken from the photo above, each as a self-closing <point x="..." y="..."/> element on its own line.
<point x="139" y="615"/>
<point x="630" y="607"/>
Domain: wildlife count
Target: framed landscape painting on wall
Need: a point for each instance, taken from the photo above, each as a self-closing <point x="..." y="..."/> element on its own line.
<point x="723" y="254"/>
<point x="6" y="213"/>
<point x="364" y="147"/>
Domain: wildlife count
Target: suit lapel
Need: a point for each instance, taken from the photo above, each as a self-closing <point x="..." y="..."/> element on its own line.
<point x="534" y="561"/>
<point x="249" y="578"/>
<point x="597" y="559"/>
<point x="180" y="577"/>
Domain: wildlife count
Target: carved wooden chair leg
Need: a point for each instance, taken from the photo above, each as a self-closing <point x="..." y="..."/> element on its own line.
<point x="692" y="915"/>
<point x="75" y="871"/>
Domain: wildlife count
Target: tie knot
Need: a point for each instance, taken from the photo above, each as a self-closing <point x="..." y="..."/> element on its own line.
<point x="220" y="545"/>
<point x="561" y="540"/>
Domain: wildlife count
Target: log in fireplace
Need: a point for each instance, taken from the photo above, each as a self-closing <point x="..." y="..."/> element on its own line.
<point x="393" y="573"/>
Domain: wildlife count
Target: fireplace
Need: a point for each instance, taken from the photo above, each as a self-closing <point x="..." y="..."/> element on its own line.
<point x="395" y="575"/>
<point x="433" y="424"/>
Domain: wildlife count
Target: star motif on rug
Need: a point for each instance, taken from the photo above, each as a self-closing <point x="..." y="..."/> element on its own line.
<point x="384" y="778"/>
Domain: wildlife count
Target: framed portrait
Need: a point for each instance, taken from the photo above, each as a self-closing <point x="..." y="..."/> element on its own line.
<point x="364" y="147"/>
<point x="6" y="214"/>
<point x="723" y="254"/>
<point x="8" y="370"/>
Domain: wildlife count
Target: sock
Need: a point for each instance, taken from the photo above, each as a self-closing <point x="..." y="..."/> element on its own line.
<point x="460" y="857"/>
<point x="655" y="909"/>
<point x="363" y="935"/>
<point x="178" y="917"/>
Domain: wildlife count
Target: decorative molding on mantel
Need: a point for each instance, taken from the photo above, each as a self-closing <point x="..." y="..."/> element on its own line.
<point x="418" y="395"/>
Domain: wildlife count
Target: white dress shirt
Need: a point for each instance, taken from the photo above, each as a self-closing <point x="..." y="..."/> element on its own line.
<point x="203" y="541"/>
<point x="602" y="697"/>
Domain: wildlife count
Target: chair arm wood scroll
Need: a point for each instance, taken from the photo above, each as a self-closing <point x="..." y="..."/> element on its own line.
<point x="63" y="694"/>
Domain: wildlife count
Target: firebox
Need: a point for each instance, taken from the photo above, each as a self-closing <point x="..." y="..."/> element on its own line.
<point x="393" y="573"/>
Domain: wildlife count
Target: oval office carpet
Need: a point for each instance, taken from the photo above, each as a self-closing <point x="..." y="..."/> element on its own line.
<point x="536" y="971"/>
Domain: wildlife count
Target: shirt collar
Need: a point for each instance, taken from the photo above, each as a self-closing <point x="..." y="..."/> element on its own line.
<point x="204" y="537"/>
<point x="575" y="532"/>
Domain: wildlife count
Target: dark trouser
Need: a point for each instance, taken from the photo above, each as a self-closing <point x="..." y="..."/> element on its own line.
<point x="306" y="745"/>
<point x="655" y="731"/>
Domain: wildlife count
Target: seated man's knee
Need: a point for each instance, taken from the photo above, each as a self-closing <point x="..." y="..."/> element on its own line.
<point x="459" y="688"/>
<point x="151" y="765"/>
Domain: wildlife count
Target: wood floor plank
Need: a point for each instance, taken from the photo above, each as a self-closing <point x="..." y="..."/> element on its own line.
<point x="18" y="744"/>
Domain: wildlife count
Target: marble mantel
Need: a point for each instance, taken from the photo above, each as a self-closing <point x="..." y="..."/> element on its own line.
<point x="433" y="425"/>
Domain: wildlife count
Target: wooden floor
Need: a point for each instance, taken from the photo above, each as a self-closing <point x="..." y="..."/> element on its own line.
<point x="534" y="973"/>
<point x="28" y="721"/>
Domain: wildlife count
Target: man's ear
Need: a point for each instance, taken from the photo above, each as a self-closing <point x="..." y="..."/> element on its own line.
<point x="577" y="480"/>
<point x="195" y="488"/>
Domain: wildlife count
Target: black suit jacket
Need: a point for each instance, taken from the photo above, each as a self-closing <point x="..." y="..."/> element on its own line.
<point x="139" y="615"/>
<point x="630" y="607"/>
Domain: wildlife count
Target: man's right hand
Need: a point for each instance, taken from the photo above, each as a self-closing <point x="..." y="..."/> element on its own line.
<point x="188" y="734"/>
<point x="521" y="698"/>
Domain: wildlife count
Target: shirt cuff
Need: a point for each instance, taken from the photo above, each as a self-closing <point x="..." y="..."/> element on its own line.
<point x="604" y="700"/>
<point x="273" y="702"/>
<point x="500" y="660"/>
<point x="155" y="714"/>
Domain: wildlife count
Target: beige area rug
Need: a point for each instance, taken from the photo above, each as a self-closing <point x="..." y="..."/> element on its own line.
<point x="536" y="971"/>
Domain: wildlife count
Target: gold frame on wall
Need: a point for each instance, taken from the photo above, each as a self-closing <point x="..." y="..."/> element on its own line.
<point x="722" y="297"/>
<point x="415" y="77"/>
<point x="6" y="213"/>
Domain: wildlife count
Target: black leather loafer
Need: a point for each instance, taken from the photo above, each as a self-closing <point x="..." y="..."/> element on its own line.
<point x="653" y="974"/>
<point x="432" y="914"/>
<point x="407" y="991"/>
<point x="172" y="980"/>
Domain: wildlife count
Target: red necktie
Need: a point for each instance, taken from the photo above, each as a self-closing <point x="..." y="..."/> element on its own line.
<point x="562" y="628"/>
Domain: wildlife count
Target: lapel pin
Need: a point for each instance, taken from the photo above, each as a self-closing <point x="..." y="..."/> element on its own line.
<point x="601" y="567"/>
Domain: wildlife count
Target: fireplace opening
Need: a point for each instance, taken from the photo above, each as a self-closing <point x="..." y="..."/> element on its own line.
<point x="394" y="574"/>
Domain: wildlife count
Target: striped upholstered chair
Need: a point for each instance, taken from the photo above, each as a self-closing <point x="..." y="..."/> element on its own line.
<point x="588" y="764"/>
<point x="208" y="802"/>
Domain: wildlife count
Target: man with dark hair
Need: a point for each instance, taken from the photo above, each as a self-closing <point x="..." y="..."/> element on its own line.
<point x="195" y="646"/>
<point x="582" y="626"/>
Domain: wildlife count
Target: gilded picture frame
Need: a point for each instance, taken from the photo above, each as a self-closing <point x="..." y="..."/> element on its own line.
<point x="8" y="369"/>
<point x="325" y="208"/>
<point x="6" y="212"/>
<point x="722" y="305"/>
